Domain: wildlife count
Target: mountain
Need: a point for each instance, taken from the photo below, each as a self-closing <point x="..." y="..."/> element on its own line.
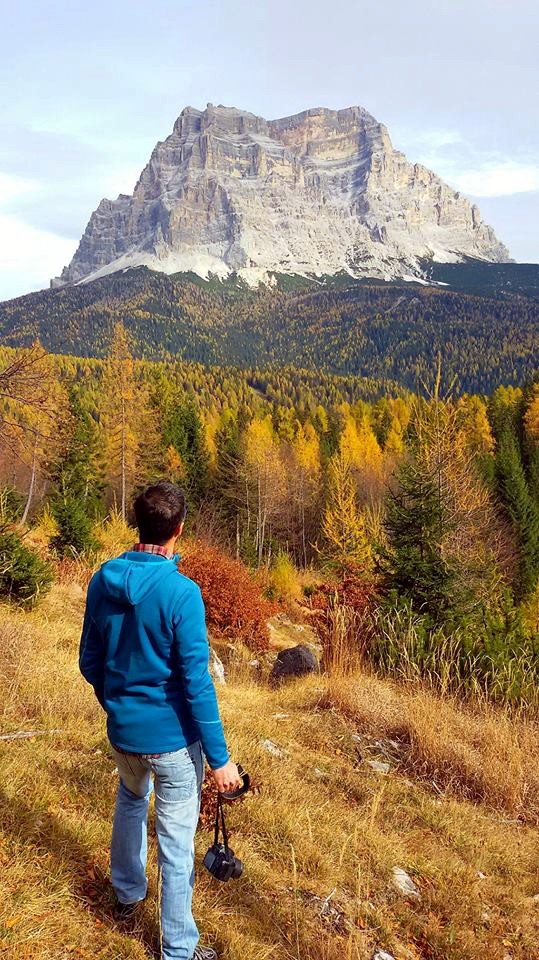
<point x="386" y="331"/>
<point x="321" y="192"/>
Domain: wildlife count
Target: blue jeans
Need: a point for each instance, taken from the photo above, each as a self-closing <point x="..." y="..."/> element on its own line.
<point x="177" y="783"/>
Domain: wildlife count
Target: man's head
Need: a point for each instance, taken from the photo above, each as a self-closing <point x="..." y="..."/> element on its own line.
<point x="160" y="511"/>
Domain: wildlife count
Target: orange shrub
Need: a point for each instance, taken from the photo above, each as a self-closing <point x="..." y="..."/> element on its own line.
<point x="350" y="590"/>
<point x="235" y="607"/>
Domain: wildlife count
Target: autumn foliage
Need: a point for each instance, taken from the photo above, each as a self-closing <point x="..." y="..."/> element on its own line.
<point x="235" y="606"/>
<point x="351" y="589"/>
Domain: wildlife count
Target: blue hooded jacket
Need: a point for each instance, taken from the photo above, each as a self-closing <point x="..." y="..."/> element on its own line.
<point x="145" y="651"/>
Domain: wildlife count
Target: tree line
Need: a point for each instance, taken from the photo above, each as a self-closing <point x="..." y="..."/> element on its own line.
<point x="384" y="332"/>
<point x="430" y="502"/>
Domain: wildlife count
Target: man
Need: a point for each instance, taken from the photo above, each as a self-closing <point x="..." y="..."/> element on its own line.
<point x="144" y="650"/>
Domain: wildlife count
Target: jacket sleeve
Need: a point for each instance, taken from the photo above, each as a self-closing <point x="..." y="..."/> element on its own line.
<point x="92" y="654"/>
<point x="193" y="657"/>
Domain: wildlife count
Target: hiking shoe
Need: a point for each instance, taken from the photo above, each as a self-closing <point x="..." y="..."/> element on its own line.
<point x="124" y="912"/>
<point x="204" y="953"/>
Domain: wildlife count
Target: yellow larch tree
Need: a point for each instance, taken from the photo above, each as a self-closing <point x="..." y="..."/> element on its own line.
<point x="360" y="447"/>
<point x="531" y="417"/>
<point x="130" y="435"/>
<point x="474" y="424"/>
<point x="263" y="482"/>
<point x="343" y="528"/>
<point x="304" y="483"/>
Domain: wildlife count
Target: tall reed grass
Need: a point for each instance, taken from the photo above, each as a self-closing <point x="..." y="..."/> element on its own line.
<point x="473" y="660"/>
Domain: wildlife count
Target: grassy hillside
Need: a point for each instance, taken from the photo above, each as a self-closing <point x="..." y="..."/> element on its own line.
<point x="485" y="324"/>
<point x="458" y="810"/>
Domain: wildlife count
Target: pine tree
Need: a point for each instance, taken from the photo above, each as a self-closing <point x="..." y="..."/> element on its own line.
<point x="183" y="433"/>
<point x="507" y="416"/>
<point x="521" y="507"/>
<point x="79" y="484"/>
<point x="413" y="564"/>
<point x="229" y="482"/>
<point x="531" y="441"/>
<point x="78" y="469"/>
<point x="227" y="463"/>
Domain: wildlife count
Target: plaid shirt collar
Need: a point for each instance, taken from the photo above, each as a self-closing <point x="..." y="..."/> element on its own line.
<point x="153" y="548"/>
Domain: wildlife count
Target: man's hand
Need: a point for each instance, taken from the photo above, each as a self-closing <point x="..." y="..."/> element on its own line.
<point x="227" y="778"/>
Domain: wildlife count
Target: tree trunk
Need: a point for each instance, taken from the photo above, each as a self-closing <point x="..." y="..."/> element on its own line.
<point x="32" y="484"/>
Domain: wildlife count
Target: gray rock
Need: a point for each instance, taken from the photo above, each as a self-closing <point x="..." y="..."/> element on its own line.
<point x="272" y="748"/>
<point x="320" y="192"/>
<point x="293" y="662"/>
<point x="382" y="955"/>
<point x="404" y="883"/>
<point x="379" y="766"/>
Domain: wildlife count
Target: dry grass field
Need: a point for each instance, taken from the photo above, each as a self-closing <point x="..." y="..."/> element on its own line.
<point x="457" y="809"/>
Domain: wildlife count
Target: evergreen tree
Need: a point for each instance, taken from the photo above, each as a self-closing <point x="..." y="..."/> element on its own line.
<point x="79" y="484"/>
<point x="531" y="441"/>
<point x="521" y="507"/>
<point x="304" y="487"/>
<point x="413" y="562"/>
<point x="228" y="455"/>
<point x="74" y="525"/>
<point x="183" y="432"/>
<point x="78" y="469"/>
<point x="507" y="416"/>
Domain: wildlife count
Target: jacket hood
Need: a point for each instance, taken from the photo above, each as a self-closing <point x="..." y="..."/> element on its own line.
<point x="132" y="576"/>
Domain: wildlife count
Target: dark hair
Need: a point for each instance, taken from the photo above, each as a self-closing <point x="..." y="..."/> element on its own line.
<point x="159" y="510"/>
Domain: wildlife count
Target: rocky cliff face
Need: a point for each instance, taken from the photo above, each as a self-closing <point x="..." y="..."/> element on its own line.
<point x="316" y="193"/>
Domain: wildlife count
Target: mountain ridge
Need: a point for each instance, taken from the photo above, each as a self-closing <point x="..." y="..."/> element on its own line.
<point x="318" y="192"/>
<point x="386" y="331"/>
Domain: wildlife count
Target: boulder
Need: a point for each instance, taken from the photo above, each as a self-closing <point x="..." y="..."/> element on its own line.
<point x="293" y="662"/>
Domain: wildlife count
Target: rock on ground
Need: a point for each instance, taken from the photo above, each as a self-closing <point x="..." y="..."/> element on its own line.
<point x="294" y="662"/>
<point x="404" y="883"/>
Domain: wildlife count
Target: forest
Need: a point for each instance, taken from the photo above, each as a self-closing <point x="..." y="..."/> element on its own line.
<point x="485" y="329"/>
<point x="412" y="519"/>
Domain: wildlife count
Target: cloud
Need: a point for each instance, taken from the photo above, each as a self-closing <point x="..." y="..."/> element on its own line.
<point x="29" y="257"/>
<point x="467" y="167"/>
<point x="13" y="187"/>
<point x="436" y="139"/>
<point x="502" y="179"/>
<point x="49" y="186"/>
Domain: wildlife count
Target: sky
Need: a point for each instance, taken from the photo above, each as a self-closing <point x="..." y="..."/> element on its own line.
<point x="88" y="89"/>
